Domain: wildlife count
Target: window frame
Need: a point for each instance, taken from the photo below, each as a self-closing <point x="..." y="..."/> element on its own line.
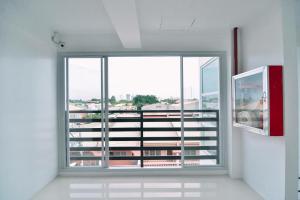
<point x="62" y="105"/>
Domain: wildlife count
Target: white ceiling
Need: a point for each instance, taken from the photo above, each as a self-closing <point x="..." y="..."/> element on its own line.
<point x="86" y="25"/>
<point x="123" y="16"/>
<point x="209" y="15"/>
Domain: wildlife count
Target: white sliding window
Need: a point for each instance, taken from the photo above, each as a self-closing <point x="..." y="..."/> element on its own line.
<point x="142" y="111"/>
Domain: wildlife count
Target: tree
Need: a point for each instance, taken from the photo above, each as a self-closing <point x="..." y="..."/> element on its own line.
<point x="95" y="99"/>
<point x="170" y="101"/>
<point x="140" y="100"/>
<point x="112" y="100"/>
<point x="77" y="101"/>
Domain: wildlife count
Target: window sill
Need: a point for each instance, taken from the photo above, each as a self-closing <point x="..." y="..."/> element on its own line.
<point x="209" y="170"/>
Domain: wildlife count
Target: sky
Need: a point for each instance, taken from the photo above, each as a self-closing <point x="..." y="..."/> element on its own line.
<point x="159" y="76"/>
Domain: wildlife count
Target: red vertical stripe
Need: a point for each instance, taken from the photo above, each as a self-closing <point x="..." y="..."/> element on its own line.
<point x="235" y="50"/>
<point x="276" y="100"/>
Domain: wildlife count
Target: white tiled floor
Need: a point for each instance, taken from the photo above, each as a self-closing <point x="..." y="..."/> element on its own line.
<point x="159" y="188"/>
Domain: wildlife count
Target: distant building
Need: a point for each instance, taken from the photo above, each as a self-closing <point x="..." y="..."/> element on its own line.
<point x="128" y="97"/>
<point x="94" y="106"/>
<point x="188" y="105"/>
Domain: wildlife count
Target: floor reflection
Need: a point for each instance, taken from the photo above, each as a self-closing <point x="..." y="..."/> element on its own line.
<point x="130" y="188"/>
<point x="174" y="189"/>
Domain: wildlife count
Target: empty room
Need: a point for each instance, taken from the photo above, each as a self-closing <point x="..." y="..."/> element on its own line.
<point x="156" y="100"/>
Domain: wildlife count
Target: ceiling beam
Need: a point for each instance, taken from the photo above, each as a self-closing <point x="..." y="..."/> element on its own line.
<point x="123" y="15"/>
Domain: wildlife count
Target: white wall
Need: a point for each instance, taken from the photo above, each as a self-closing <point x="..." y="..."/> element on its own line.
<point x="269" y="164"/>
<point x="263" y="158"/>
<point x="298" y="60"/>
<point x="291" y="100"/>
<point x="28" y="127"/>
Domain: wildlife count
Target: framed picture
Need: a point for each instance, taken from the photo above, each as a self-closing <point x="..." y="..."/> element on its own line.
<point x="258" y="100"/>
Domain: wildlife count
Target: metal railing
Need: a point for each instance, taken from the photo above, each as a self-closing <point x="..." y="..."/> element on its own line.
<point x="205" y="121"/>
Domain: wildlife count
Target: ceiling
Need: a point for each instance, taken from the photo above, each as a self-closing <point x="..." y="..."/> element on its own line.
<point x="89" y="25"/>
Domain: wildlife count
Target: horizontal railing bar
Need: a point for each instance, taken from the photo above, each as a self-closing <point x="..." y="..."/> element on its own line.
<point x="144" y="148"/>
<point x="88" y="139"/>
<point x="158" y="111"/>
<point x="201" y="148"/>
<point x="136" y="119"/>
<point x="127" y="158"/>
<point x="151" y="158"/>
<point x="85" y="129"/>
<point x="179" y="129"/>
<point x="208" y="119"/>
<point x="138" y="111"/>
<point x="201" y="157"/>
<point x="85" y="111"/>
<point x="84" y="120"/>
<point x="152" y="129"/>
<point x="85" y="148"/>
<point x="85" y="158"/>
<point x="202" y="138"/>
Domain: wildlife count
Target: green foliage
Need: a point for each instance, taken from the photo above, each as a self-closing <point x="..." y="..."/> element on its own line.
<point x="78" y="101"/>
<point x="96" y="100"/>
<point x="112" y="100"/>
<point x="140" y="100"/>
<point x="92" y="116"/>
<point x="123" y="101"/>
<point x="169" y="101"/>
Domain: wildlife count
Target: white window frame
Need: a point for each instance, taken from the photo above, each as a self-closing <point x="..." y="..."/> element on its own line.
<point x="62" y="105"/>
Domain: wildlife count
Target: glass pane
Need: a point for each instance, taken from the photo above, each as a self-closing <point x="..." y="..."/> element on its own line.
<point x="210" y="76"/>
<point x="249" y="95"/>
<point x="85" y="112"/>
<point x="200" y="128"/>
<point x="210" y="101"/>
<point x="144" y="92"/>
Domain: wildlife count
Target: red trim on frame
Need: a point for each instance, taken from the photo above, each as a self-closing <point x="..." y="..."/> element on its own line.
<point x="235" y="50"/>
<point x="276" y="100"/>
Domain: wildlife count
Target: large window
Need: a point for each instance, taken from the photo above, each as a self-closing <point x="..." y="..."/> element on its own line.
<point x="142" y="112"/>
